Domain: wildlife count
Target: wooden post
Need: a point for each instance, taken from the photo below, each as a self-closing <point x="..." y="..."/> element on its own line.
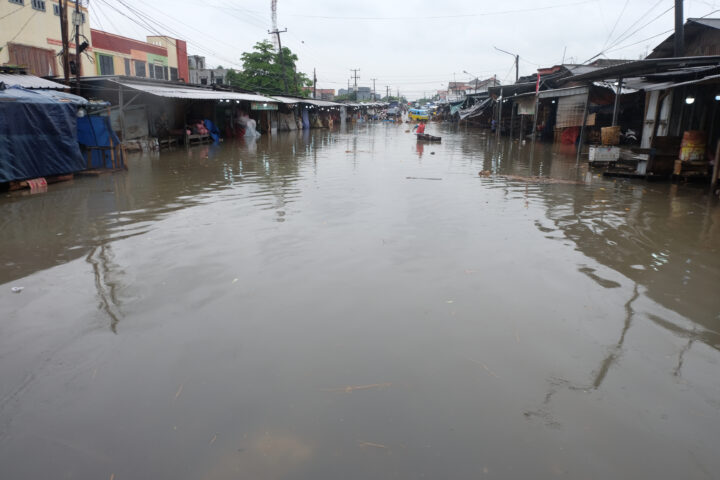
<point x="581" y="140"/>
<point x="716" y="170"/>
<point x="512" y="119"/>
<point x="534" y="129"/>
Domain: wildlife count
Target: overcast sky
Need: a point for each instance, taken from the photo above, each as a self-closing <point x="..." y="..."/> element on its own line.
<point x="414" y="46"/>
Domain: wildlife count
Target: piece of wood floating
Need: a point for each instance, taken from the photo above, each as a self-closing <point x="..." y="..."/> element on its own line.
<point x="423" y="178"/>
<point x="358" y="387"/>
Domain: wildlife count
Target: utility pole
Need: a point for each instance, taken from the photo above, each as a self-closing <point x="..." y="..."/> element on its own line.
<point x="314" y="85"/>
<point x="78" y="64"/>
<point x="387" y="92"/>
<point x="62" y="5"/>
<point x="679" y="29"/>
<point x="280" y="51"/>
<point x="355" y="75"/>
<point x="373" y="97"/>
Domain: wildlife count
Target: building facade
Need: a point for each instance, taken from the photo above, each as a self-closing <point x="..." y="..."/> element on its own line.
<point x="30" y="36"/>
<point x="200" y="75"/>
<point x="161" y="58"/>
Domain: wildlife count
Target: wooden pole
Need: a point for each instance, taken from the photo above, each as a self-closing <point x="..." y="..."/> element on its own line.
<point x="78" y="63"/>
<point x="716" y="170"/>
<point x="62" y="5"/>
<point x="581" y="140"/>
<point x="534" y="129"/>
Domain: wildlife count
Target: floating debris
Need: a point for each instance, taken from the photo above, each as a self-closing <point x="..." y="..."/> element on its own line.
<point x="423" y="178"/>
<point x="179" y="391"/>
<point x="541" y="180"/>
<point x="485" y="173"/>
<point x="17" y="289"/>
<point x="371" y="444"/>
<point x="358" y="387"/>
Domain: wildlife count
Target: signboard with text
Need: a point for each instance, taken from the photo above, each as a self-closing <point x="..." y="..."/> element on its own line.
<point x="263" y="106"/>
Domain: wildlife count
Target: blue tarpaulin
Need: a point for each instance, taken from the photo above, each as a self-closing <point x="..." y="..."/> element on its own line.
<point x="95" y="131"/>
<point x="38" y="134"/>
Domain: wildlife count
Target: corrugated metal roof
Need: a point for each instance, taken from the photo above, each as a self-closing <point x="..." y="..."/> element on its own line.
<point x="708" y="22"/>
<point x="194" y="93"/>
<point x="29" y="81"/>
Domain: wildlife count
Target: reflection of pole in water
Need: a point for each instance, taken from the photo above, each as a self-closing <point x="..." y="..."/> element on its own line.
<point x="100" y="258"/>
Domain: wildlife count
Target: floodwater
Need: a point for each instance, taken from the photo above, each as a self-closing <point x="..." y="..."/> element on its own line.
<point x="353" y="305"/>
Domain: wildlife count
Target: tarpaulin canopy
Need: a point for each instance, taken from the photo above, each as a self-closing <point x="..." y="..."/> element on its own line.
<point x="476" y="109"/>
<point x="38" y="134"/>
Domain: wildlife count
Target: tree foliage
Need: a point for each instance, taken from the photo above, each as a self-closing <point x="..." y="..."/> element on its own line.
<point x="263" y="71"/>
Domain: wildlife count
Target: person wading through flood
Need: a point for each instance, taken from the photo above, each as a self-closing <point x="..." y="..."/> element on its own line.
<point x="420" y="127"/>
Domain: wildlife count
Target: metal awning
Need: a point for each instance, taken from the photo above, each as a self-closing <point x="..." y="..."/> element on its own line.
<point x="29" y="81"/>
<point x="666" y="85"/>
<point x="309" y="101"/>
<point x="171" y="91"/>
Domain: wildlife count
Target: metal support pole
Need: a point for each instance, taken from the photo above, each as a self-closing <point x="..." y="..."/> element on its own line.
<point x="679" y="29"/>
<point x="499" y="125"/>
<point x="534" y="129"/>
<point x="581" y="140"/>
<point x="121" y="116"/>
<point x="618" y="92"/>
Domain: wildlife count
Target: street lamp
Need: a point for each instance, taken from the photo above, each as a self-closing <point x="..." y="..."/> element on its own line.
<point x="476" y="79"/>
<point x="517" y="62"/>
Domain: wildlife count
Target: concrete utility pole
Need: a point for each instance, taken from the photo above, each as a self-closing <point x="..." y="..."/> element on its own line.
<point x="387" y="92"/>
<point x="373" y="97"/>
<point x="78" y="64"/>
<point x="314" y="85"/>
<point x="679" y="29"/>
<point x="62" y="5"/>
<point x="280" y="51"/>
<point x="355" y="75"/>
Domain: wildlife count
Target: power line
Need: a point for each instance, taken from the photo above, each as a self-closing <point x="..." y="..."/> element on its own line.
<point x="436" y="17"/>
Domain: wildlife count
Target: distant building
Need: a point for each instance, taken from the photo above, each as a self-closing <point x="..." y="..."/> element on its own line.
<point x="31" y="37"/>
<point x="200" y="75"/>
<point x="702" y="38"/>
<point x="161" y="58"/>
<point x="325" y="94"/>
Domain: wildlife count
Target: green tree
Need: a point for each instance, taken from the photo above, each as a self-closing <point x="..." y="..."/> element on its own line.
<point x="263" y="71"/>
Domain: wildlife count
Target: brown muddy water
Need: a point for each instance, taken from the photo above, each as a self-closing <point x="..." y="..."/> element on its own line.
<point x="298" y="308"/>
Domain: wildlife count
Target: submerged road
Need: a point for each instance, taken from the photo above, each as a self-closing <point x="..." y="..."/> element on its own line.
<point x="356" y="305"/>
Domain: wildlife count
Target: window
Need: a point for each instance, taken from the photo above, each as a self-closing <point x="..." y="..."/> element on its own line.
<point x="173" y="74"/>
<point x="105" y="64"/>
<point x="139" y="69"/>
<point x="159" y="72"/>
<point x="219" y="81"/>
<point x="17" y="2"/>
<point x="38" y="5"/>
<point x="56" y="9"/>
<point x="203" y="81"/>
<point x="127" y="67"/>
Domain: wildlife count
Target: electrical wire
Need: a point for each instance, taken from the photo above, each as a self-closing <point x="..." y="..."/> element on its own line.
<point x="439" y="17"/>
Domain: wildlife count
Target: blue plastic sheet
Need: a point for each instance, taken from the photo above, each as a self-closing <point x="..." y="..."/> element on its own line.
<point x="95" y="131"/>
<point x="38" y="134"/>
